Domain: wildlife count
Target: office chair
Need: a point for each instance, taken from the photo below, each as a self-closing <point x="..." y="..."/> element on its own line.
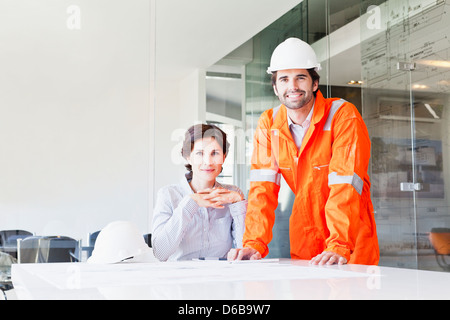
<point x="9" y="237"/>
<point x="92" y="237"/>
<point x="148" y="239"/>
<point x="440" y="240"/>
<point x="6" y="261"/>
<point x="8" y="240"/>
<point x="44" y="249"/>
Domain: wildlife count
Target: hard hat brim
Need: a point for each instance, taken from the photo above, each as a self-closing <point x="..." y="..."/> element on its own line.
<point x="316" y="68"/>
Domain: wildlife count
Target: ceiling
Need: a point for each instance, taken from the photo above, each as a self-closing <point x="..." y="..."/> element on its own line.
<point x="197" y="33"/>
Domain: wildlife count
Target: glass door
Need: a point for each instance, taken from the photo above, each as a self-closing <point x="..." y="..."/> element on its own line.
<point x="386" y="100"/>
<point x="403" y="55"/>
<point x="430" y="54"/>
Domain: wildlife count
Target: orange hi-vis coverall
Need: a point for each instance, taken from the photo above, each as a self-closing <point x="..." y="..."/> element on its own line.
<point x="332" y="210"/>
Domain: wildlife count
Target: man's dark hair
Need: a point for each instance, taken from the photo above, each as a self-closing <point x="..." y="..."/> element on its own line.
<point x="312" y="73"/>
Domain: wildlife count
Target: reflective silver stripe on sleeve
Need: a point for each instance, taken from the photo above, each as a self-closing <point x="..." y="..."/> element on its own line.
<point x="353" y="180"/>
<point x="334" y="107"/>
<point x="265" y="175"/>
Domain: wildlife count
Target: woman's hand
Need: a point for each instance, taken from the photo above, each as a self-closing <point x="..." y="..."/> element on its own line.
<point x="202" y="201"/>
<point x="216" y="198"/>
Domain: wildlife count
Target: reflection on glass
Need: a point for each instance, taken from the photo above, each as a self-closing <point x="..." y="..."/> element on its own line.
<point x="390" y="59"/>
<point x="405" y="104"/>
<point x="224" y="94"/>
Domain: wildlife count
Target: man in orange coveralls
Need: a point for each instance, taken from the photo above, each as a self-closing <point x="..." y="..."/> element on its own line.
<point x="322" y="149"/>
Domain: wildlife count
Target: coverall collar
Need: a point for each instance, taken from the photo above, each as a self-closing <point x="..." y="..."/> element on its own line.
<point x="319" y="108"/>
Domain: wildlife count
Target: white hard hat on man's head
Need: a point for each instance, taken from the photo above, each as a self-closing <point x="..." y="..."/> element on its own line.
<point x="293" y="53"/>
<point x="120" y="241"/>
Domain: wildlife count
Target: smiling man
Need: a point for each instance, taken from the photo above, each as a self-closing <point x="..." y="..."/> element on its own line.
<point x="321" y="147"/>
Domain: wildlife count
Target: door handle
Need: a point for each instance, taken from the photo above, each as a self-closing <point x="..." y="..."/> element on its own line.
<point x="409" y="186"/>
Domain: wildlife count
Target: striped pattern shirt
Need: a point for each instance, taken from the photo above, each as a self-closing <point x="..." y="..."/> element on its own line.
<point x="183" y="230"/>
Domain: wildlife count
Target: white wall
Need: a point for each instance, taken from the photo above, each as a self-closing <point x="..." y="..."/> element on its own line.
<point x="74" y="114"/>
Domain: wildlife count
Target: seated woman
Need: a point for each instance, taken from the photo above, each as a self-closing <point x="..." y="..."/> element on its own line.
<point x="199" y="217"/>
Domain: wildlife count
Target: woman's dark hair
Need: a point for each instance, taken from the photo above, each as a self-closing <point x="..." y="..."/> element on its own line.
<point x="312" y="73"/>
<point x="200" y="131"/>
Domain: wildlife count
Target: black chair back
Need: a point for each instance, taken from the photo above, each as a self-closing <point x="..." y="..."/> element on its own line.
<point x="45" y="249"/>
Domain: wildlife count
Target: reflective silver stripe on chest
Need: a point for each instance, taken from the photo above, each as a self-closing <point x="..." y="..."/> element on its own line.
<point x="275" y="111"/>
<point x="334" y="107"/>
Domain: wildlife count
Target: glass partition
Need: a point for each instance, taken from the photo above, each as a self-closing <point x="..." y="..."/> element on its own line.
<point x="430" y="97"/>
<point x="390" y="59"/>
<point x="404" y="55"/>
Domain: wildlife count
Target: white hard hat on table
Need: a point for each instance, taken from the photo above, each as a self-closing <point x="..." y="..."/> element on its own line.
<point x="120" y="241"/>
<point x="293" y="53"/>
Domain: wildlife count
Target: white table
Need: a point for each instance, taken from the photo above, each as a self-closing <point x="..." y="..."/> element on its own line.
<point x="221" y="280"/>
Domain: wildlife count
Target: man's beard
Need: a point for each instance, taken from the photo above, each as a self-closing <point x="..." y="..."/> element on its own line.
<point x="306" y="98"/>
